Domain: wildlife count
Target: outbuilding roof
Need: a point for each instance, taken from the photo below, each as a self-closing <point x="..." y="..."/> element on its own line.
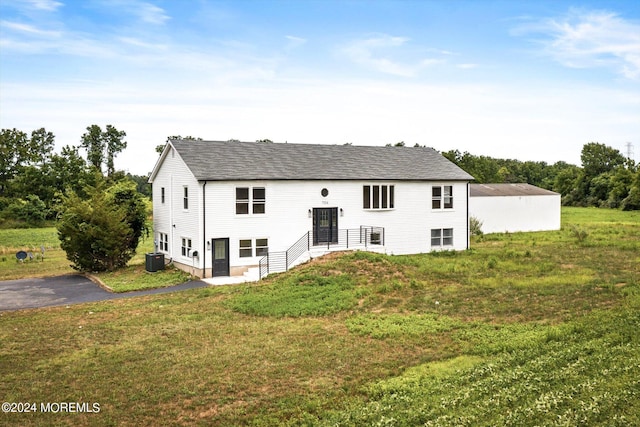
<point x="495" y="190"/>
<point x="233" y="160"/>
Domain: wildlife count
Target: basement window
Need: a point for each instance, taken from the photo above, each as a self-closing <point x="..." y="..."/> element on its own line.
<point x="246" y="250"/>
<point x="441" y="237"/>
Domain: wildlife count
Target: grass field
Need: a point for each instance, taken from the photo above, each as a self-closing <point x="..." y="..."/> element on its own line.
<point x="55" y="261"/>
<point x="525" y="329"/>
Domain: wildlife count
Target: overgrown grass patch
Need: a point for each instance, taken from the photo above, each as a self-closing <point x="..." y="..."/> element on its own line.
<point x="135" y="278"/>
<point x="297" y="294"/>
<point x="582" y="376"/>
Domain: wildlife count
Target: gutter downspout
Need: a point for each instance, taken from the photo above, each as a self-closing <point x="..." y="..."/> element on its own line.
<point x="468" y="227"/>
<point x="204" y="231"/>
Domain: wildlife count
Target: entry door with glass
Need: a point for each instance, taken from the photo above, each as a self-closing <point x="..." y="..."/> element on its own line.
<point x="220" y="255"/>
<point x="325" y="225"/>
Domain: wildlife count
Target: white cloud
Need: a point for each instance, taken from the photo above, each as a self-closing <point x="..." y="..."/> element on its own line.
<point x="151" y="14"/>
<point x="379" y="53"/>
<point x="48" y="5"/>
<point x="591" y="39"/>
<point x="294" y="42"/>
<point x="29" y="29"/>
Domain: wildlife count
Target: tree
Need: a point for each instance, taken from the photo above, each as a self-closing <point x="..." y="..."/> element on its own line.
<point x="632" y="201"/>
<point x="598" y="158"/>
<point x="19" y="151"/>
<point x="93" y="142"/>
<point x="102" y="147"/>
<point x="101" y="233"/>
<point x="115" y="144"/>
<point x="31" y="210"/>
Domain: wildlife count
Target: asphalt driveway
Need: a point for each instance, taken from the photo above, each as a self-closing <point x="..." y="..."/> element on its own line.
<point x="66" y="290"/>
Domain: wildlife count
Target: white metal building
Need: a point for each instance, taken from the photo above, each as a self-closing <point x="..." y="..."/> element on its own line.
<point x="514" y="207"/>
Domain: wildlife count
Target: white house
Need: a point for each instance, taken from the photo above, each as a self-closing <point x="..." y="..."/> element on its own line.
<point x="514" y="207"/>
<point x="222" y="207"/>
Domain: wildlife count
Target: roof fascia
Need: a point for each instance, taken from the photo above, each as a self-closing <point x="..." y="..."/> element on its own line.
<point x="156" y="168"/>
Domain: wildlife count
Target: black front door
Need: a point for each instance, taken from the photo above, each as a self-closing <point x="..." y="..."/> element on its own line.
<point x="220" y="256"/>
<point x="325" y="225"/>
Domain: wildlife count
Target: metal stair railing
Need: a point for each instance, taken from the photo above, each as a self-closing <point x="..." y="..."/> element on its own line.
<point x="364" y="236"/>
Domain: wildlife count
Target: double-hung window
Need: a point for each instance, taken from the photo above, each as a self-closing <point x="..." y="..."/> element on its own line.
<point x="253" y="198"/>
<point x="162" y="195"/>
<point x="378" y="196"/>
<point x="246" y="247"/>
<point x="186" y="247"/>
<point x="441" y="237"/>
<point x="442" y="197"/>
<point x="163" y="243"/>
<point x="258" y="194"/>
<point x="185" y="198"/>
<point x="262" y="247"/>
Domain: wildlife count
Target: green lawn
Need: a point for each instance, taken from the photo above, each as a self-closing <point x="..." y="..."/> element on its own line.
<point x="525" y="329"/>
<point x="55" y="262"/>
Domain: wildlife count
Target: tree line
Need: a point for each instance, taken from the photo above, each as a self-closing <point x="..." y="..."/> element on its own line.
<point x="606" y="178"/>
<point x="34" y="178"/>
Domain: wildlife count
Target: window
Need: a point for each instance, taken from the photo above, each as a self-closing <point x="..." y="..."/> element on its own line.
<point x="257" y="200"/>
<point x="245" y="248"/>
<point x="186" y="247"/>
<point x="242" y="201"/>
<point x="162" y="195"/>
<point x="262" y="247"/>
<point x="185" y="198"/>
<point x="366" y="197"/>
<point x="441" y="237"/>
<point x="164" y="242"/>
<point x="378" y="197"/>
<point x="442" y="197"/>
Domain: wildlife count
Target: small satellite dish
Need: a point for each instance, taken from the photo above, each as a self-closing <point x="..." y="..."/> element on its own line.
<point x="21" y="255"/>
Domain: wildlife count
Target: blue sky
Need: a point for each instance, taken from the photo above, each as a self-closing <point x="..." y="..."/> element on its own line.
<point x="532" y="80"/>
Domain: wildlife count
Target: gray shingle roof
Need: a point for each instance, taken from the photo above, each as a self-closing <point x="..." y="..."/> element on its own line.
<point x="489" y="190"/>
<point x="226" y="161"/>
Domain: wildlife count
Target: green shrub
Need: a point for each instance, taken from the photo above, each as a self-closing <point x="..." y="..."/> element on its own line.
<point x="102" y="232"/>
<point x="475" y="226"/>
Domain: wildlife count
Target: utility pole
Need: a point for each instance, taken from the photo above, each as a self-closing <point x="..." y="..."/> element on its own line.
<point x="629" y="146"/>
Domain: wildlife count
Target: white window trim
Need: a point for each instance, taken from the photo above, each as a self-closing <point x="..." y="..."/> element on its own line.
<point x="390" y="201"/>
<point x="250" y="201"/>
<point x="245" y="248"/>
<point x="164" y="242"/>
<point x="254" y="247"/>
<point x="442" y="198"/>
<point x="185" y="198"/>
<point x="261" y="247"/>
<point x="188" y="247"/>
<point x="441" y="238"/>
